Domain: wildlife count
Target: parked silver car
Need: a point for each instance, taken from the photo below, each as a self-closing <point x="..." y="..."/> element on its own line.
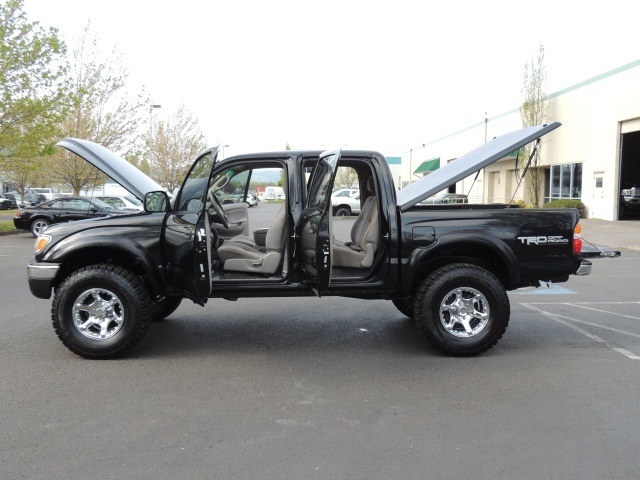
<point x="345" y="206"/>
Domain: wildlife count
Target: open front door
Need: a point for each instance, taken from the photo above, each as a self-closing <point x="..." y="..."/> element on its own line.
<point x="314" y="228"/>
<point x="187" y="232"/>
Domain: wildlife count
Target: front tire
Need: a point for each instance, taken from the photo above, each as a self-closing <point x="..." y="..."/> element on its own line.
<point x="165" y="307"/>
<point x="101" y="311"/>
<point x="462" y="310"/>
<point x="343" y="212"/>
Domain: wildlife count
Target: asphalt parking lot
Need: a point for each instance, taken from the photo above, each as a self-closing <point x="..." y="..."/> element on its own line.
<point x="328" y="388"/>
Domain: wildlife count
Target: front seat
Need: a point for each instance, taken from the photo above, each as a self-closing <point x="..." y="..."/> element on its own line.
<point x="365" y="236"/>
<point x="246" y="256"/>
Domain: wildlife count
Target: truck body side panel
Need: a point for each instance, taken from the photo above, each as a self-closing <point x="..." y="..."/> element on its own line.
<point x="521" y="245"/>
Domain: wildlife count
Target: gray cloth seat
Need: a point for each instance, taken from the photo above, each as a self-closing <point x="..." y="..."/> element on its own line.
<point x="242" y="254"/>
<point x="365" y="236"/>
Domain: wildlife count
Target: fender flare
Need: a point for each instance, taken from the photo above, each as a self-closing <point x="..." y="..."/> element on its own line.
<point x="76" y="244"/>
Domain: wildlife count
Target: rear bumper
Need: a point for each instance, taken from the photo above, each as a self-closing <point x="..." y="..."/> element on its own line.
<point x="584" y="267"/>
<point x="41" y="277"/>
<point x="20" y="224"/>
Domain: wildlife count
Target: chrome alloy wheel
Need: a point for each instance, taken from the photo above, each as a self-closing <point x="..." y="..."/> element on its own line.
<point x="98" y="314"/>
<point x="39" y="226"/>
<point x="464" y="312"/>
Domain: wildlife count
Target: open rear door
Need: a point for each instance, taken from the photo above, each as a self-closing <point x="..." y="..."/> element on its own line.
<point x="314" y="229"/>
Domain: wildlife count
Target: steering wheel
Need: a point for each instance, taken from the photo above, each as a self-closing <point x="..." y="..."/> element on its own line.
<point x="218" y="208"/>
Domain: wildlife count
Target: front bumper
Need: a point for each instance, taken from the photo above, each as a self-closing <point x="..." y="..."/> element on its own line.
<point x="41" y="277"/>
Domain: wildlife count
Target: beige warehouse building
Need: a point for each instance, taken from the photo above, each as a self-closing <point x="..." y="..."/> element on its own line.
<point x="593" y="157"/>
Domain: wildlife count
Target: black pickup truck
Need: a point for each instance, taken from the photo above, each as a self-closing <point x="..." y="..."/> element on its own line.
<point x="446" y="266"/>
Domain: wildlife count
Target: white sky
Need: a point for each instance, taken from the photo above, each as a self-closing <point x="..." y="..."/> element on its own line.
<point x="385" y="76"/>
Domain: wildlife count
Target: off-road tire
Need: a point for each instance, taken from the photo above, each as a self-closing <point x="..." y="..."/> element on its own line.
<point x="462" y="291"/>
<point x="165" y="307"/>
<point x="117" y="294"/>
<point x="404" y="305"/>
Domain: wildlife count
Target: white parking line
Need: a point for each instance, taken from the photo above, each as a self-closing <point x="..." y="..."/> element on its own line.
<point x="602" y="311"/>
<point x="557" y="318"/>
<point x="604" y="327"/>
<point x="584" y="303"/>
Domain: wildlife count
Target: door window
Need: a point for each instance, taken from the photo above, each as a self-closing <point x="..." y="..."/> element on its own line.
<point x="77" y="204"/>
<point x="321" y="183"/>
<point x="191" y="198"/>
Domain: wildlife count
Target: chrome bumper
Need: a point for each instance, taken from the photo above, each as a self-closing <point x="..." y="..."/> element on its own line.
<point x="41" y="276"/>
<point x="584" y="268"/>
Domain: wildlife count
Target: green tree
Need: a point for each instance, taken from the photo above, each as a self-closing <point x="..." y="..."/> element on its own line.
<point x="102" y="112"/>
<point x="175" y="144"/>
<point x="34" y="92"/>
<point x="346" y="177"/>
<point x="534" y="112"/>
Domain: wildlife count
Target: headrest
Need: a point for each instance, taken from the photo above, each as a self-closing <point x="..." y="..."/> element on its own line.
<point x="371" y="187"/>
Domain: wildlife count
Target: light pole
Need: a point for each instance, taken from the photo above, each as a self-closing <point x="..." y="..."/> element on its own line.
<point x="223" y="147"/>
<point x="151" y="107"/>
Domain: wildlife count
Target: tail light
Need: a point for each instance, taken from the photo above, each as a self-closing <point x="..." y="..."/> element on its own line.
<point x="577" y="239"/>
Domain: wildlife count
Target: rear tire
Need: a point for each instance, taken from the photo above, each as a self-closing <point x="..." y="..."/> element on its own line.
<point x="462" y="310"/>
<point x="38" y="226"/>
<point x="343" y="212"/>
<point x="101" y="311"/>
<point x="404" y="305"/>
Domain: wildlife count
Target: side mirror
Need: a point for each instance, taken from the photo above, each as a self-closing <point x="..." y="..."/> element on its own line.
<point x="156" y="202"/>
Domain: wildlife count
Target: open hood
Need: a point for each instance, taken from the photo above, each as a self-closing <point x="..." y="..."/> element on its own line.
<point x="469" y="163"/>
<point x="114" y="166"/>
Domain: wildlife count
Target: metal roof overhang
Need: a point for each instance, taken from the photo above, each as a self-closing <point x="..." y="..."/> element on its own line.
<point x="428" y="166"/>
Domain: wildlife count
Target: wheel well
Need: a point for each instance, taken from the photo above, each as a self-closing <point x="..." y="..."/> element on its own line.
<point x="480" y="256"/>
<point x="90" y="256"/>
<point x="343" y="206"/>
<point x="39" y="217"/>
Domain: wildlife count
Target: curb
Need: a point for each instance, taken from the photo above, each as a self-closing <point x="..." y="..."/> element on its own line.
<point x="11" y="232"/>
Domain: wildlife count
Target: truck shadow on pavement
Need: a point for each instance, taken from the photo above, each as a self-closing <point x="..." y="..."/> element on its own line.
<point x="191" y="335"/>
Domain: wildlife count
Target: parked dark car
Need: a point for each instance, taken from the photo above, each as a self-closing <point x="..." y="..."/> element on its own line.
<point x="27" y="198"/>
<point x="631" y="199"/>
<point x="65" y="209"/>
<point x="7" y="202"/>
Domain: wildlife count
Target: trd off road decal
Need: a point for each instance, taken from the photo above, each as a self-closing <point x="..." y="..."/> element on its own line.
<point x="543" y="240"/>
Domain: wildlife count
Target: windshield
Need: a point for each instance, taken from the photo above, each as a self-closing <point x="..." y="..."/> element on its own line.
<point x="134" y="200"/>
